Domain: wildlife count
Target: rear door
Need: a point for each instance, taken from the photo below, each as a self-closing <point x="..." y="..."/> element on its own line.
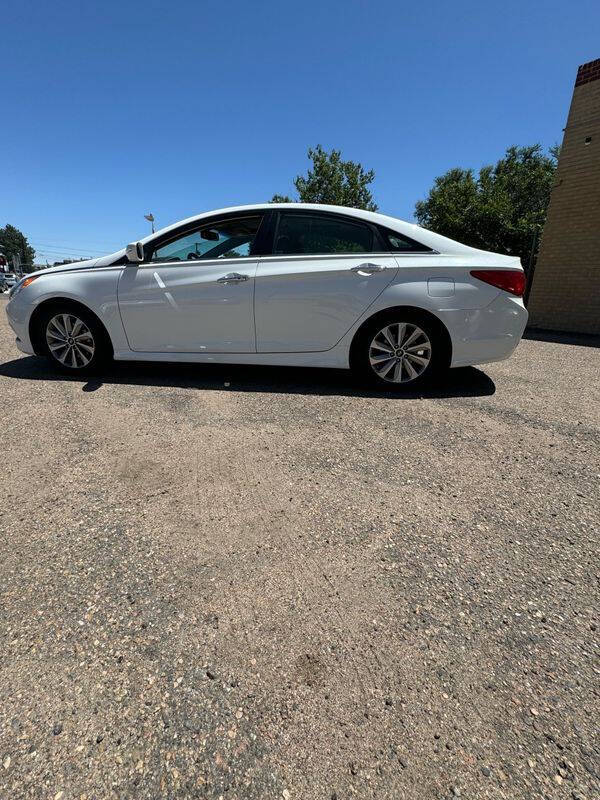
<point x="326" y="269"/>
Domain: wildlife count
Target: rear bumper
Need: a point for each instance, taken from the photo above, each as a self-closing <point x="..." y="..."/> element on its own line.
<point x="487" y="334"/>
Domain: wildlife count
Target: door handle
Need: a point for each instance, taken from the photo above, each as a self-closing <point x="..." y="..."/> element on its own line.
<point x="367" y="268"/>
<point x="233" y="277"/>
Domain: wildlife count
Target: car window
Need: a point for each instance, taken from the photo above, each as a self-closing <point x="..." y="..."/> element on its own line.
<point x="316" y="234"/>
<point x="230" y="238"/>
<point x="398" y="243"/>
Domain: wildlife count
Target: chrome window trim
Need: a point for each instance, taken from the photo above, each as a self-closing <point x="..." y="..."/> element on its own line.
<point x="199" y="262"/>
<point x="321" y="256"/>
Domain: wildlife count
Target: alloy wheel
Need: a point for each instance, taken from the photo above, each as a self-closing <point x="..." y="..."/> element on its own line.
<point x="70" y="341"/>
<point x="400" y="352"/>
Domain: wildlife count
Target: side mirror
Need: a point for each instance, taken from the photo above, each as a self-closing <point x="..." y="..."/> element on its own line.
<point x="134" y="252"/>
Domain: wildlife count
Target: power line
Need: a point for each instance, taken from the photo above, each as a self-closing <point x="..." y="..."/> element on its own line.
<point x="59" y="253"/>
<point x="69" y="241"/>
<point x="68" y="247"/>
<point x="50" y="251"/>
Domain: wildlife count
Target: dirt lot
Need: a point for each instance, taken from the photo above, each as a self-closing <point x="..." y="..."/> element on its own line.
<point x="263" y="583"/>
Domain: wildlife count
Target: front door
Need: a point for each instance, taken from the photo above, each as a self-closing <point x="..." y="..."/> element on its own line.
<point x="325" y="271"/>
<point x="194" y="292"/>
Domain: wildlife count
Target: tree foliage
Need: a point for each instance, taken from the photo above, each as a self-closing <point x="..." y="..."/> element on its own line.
<point x="14" y="243"/>
<point x="502" y="209"/>
<point x="333" y="181"/>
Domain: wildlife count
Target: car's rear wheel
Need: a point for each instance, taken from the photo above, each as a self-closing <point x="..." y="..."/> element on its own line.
<point x="73" y="339"/>
<point x="402" y="350"/>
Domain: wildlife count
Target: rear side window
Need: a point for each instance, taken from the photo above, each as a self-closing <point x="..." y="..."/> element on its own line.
<point x="308" y="234"/>
<point x="398" y="243"/>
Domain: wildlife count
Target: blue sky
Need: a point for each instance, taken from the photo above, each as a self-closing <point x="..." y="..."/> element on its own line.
<point x="113" y="109"/>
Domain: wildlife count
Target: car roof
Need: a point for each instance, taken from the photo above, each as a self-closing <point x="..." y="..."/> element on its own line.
<point x="433" y="240"/>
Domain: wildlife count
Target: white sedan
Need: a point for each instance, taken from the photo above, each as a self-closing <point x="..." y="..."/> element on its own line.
<point x="282" y="284"/>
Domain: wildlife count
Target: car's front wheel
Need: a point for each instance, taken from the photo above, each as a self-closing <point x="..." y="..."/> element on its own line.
<point x="73" y="339"/>
<point x="402" y="350"/>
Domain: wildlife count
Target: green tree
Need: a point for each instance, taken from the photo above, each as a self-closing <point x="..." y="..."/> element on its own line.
<point x="14" y="243"/>
<point x="502" y="209"/>
<point x="333" y="181"/>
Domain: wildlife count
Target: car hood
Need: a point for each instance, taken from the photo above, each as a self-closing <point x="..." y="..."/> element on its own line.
<point x="68" y="267"/>
<point x="76" y="266"/>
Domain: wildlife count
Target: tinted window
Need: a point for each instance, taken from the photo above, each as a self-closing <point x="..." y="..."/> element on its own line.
<point x="304" y="233"/>
<point x="231" y="238"/>
<point x="399" y="243"/>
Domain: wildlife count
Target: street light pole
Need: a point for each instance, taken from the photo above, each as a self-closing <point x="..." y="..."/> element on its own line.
<point x="150" y="218"/>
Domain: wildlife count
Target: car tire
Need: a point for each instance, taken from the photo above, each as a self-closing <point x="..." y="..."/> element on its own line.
<point x="73" y="339"/>
<point x="400" y="351"/>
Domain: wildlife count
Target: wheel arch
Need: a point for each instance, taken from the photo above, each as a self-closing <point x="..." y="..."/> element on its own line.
<point x="416" y="313"/>
<point x="35" y="334"/>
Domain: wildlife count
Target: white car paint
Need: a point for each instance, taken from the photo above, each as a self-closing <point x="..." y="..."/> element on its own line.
<point x="288" y="310"/>
<point x="312" y="302"/>
<point x="161" y="304"/>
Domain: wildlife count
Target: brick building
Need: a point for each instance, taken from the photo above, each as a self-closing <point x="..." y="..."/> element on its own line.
<point x="565" y="294"/>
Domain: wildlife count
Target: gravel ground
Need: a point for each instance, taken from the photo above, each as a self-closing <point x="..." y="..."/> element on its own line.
<point x="268" y="583"/>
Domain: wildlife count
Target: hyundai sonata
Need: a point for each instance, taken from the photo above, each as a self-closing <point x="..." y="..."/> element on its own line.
<point x="282" y="284"/>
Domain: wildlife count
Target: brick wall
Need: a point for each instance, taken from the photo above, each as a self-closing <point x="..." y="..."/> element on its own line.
<point x="565" y="295"/>
<point x="588" y="72"/>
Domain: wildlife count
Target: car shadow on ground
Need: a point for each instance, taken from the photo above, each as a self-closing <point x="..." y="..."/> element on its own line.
<point x="461" y="382"/>
<point x="559" y="337"/>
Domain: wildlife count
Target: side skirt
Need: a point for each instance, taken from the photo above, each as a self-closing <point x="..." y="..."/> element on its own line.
<point x="337" y="358"/>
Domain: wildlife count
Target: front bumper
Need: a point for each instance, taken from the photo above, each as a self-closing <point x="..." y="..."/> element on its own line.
<point x="487" y="334"/>
<point x="19" y="322"/>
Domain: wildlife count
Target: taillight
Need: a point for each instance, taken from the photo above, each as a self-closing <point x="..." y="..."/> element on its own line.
<point x="510" y="280"/>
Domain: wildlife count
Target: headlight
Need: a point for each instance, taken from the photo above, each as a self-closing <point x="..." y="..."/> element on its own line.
<point x="22" y="284"/>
